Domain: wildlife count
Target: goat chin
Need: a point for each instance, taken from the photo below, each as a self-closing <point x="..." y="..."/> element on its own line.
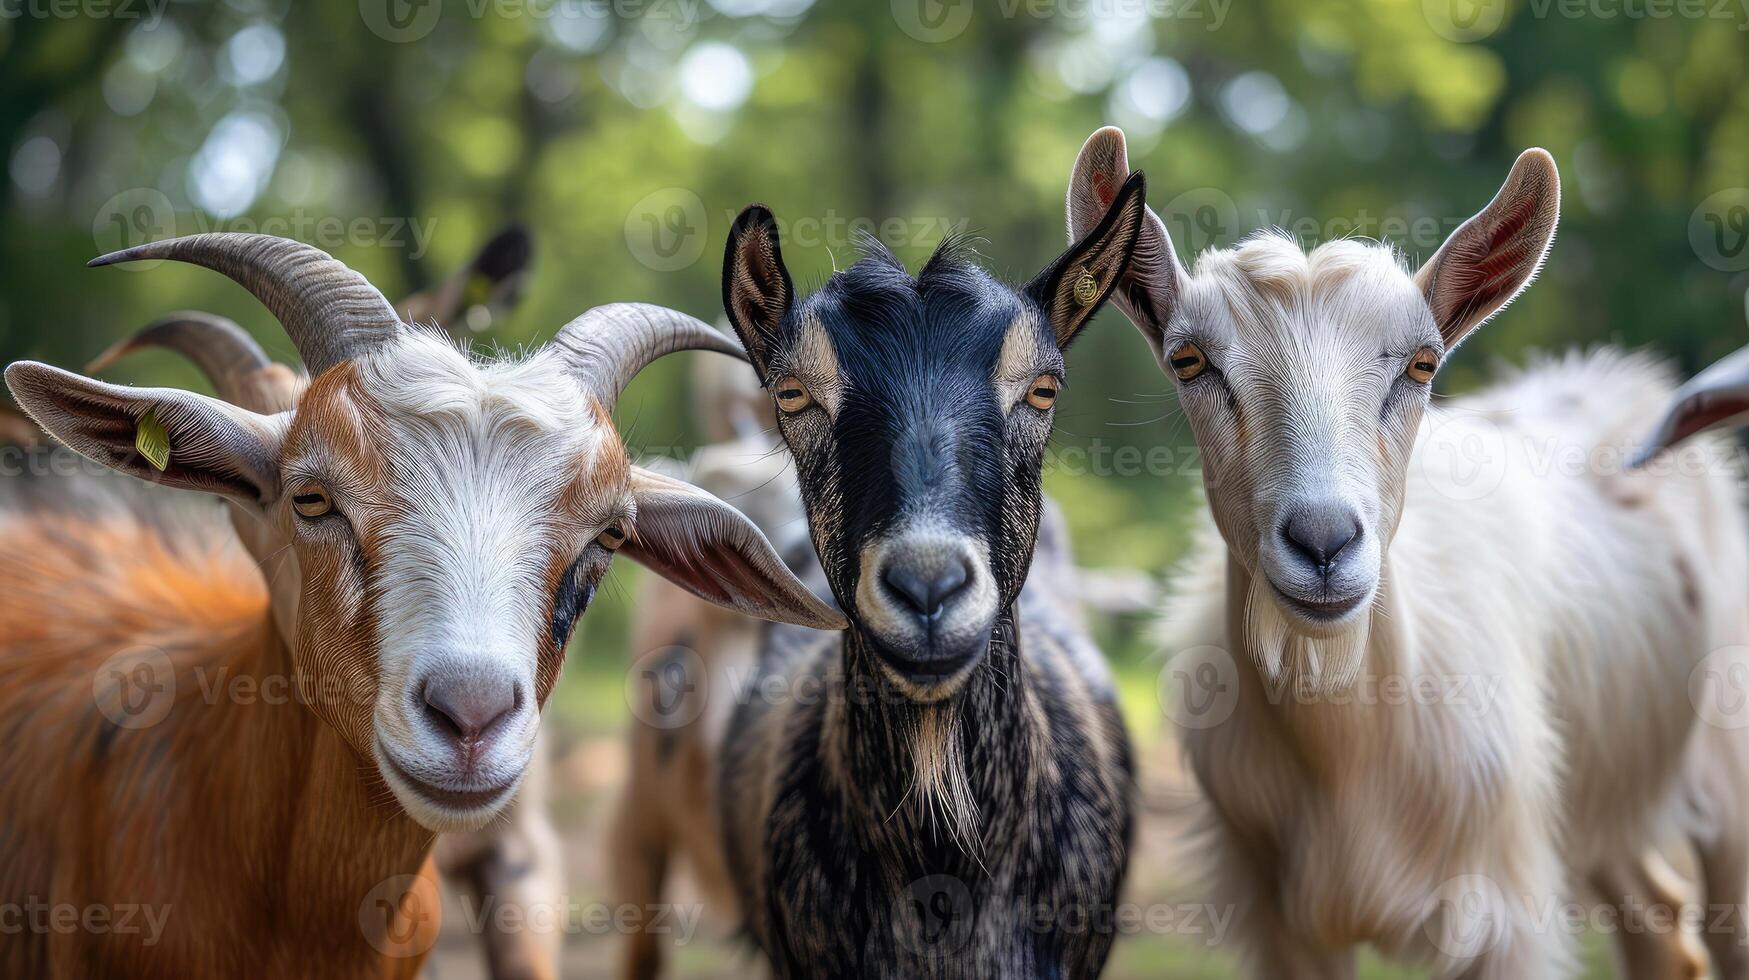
<point x="1285" y="652"/>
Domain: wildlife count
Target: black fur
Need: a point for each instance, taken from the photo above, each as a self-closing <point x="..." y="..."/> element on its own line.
<point x="846" y="873"/>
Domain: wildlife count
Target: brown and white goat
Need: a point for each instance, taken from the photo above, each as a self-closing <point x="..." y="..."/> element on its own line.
<point x="430" y="527"/>
<point x="512" y="867"/>
<point x="1447" y="651"/>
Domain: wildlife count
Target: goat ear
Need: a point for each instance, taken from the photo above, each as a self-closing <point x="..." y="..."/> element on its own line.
<point x="1071" y="289"/>
<point x="208" y="444"/>
<point x="492" y="282"/>
<point x="1149" y="290"/>
<point x="1711" y="399"/>
<point x="757" y="292"/>
<point x="1494" y="255"/>
<point x="712" y="550"/>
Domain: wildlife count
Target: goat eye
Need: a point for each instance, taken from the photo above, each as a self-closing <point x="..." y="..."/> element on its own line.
<point x="1043" y="393"/>
<point x="792" y="395"/>
<point x="1421" y="365"/>
<point x="611" y="536"/>
<point x="312" y="501"/>
<point x="1187" y="361"/>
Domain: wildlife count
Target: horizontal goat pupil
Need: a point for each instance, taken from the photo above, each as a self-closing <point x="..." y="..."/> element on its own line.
<point x="307" y="498"/>
<point x="1184" y="362"/>
<point x="790" y="393"/>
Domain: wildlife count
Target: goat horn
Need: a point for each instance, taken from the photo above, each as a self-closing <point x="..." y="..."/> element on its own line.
<point x="217" y="346"/>
<point x="607" y="346"/>
<point x="331" y="313"/>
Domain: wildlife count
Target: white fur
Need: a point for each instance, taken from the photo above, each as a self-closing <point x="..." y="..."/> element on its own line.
<point x="1555" y="598"/>
<point x="481" y="452"/>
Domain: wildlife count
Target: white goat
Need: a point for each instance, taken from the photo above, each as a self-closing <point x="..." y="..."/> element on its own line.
<point x="1439" y="697"/>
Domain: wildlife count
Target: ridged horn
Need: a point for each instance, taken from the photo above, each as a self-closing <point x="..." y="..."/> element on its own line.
<point x="217" y="346"/>
<point x="331" y="313"/>
<point x="607" y="346"/>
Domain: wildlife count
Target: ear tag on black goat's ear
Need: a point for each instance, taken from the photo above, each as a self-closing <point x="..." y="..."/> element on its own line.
<point x="1086" y="288"/>
<point x="152" y="441"/>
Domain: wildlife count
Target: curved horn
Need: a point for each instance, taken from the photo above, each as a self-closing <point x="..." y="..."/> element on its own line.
<point x="607" y="346"/>
<point x="238" y="368"/>
<point x="331" y="312"/>
<point x="216" y="345"/>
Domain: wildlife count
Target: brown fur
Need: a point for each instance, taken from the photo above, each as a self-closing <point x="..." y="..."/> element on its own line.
<point x="250" y="826"/>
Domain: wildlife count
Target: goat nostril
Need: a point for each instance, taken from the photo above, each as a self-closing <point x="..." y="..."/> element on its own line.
<point x="926" y="592"/>
<point x="467" y="711"/>
<point x="1319" y="536"/>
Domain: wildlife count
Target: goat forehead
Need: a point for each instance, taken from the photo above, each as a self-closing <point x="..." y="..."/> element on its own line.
<point x="429" y="430"/>
<point x="886" y="325"/>
<point x="1345" y="301"/>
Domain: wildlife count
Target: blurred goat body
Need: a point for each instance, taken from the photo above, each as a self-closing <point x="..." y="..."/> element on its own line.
<point x="1451" y="648"/>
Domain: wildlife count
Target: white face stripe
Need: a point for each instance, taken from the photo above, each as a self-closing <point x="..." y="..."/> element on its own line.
<point x="480" y="457"/>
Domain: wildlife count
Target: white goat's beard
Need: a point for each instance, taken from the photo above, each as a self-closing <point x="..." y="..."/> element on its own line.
<point x="942" y="790"/>
<point x="1320" y="663"/>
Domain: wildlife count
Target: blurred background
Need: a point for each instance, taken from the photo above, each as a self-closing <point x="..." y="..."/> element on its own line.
<point x="625" y="134"/>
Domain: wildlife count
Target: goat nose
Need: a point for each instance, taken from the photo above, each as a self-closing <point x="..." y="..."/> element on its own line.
<point x="1319" y="534"/>
<point x="926" y="589"/>
<point x="467" y="710"/>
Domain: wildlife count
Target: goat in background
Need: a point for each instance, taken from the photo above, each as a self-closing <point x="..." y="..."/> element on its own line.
<point x="1354" y="555"/>
<point x="430" y="528"/>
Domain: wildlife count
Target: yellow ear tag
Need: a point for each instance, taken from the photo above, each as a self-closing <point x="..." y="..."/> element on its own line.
<point x="1086" y="289"/>
<point x="152" y="441"/>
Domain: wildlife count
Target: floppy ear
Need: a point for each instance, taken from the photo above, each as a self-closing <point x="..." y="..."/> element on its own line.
<point x="1071" y="289"/>
<point x="1494" y="255"/>
<point x="208" y="444"/>
<point x="1711" y="399"/>
<point x="757" y="292"/>
<point x="1149" y="290"/>
<point x="712" y="550"/>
